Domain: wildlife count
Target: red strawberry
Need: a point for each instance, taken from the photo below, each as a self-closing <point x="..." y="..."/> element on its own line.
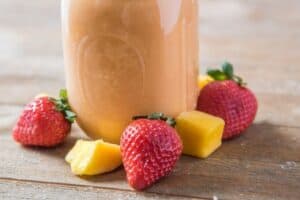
<point x="150" y="149"/>
<point x="44" y="122"/>
<point x="229" y="99"/>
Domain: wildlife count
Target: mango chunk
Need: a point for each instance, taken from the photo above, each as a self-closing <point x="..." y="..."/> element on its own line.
<point x="203" y="80"/>
<point x="94" y="157"/>
<point x="201" y="133"/>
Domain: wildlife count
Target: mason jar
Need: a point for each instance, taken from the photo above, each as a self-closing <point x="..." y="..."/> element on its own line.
<point x="129" y="57"/>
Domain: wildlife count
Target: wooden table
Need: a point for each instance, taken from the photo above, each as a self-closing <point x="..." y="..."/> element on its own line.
<point x="262" y="39"/>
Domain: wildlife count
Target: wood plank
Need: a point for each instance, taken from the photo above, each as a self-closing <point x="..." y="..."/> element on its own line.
<point x="257" y="12"/>
<point x="16" y="189"/>
<point x="265" y="162"/>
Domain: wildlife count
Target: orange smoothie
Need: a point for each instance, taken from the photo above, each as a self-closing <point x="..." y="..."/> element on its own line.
<point x="129" y="57"/>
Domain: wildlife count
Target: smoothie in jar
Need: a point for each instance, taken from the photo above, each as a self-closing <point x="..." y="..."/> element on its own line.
<point x="129" y="57"/>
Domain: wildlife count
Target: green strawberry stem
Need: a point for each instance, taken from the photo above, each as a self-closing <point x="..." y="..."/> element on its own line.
<point x="157" y="116"/>
<point x="62" y="105"/>
<point x="226" y="73"/>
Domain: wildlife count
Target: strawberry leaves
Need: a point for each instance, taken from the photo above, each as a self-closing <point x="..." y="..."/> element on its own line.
<point x="228" y="69"/>
<point x="157" y="116"/>
<point x="63" y="94"/>
<point x="62" y="105"/>
<point x="226" y="73"/>
<point x="217" y="74"/>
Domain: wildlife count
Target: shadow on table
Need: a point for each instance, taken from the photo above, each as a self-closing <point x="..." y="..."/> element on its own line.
<point x="263" y="141"/>
<point x="59" y="151"/>
<point x="118" y="175"/>
<point x="232" y="167"/>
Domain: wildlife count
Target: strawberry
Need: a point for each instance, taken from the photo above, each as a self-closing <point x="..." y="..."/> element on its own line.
<point x="229" y="99"/>
<point x="44" y="122"/>
<point x="150" y="148"/>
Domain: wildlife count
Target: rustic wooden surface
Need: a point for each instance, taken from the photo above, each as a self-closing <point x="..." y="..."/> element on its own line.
<point x="261" y="37"/>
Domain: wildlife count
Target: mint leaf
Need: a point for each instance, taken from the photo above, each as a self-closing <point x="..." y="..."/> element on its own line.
<point x="228" y="69"/>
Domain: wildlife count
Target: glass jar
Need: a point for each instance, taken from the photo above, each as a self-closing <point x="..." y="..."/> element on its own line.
<point x="129" y="57"/>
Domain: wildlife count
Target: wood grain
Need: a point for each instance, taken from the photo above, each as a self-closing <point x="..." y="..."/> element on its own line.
<point x="260" y="37"/>
<point x="16" y="189"/>
<point x="264" y="162"/>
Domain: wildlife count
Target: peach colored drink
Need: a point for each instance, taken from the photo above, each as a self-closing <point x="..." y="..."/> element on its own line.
<point x="129" y="57"/>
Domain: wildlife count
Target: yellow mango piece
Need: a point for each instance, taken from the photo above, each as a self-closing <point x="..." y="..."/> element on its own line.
<point x="201" y="133"/>
<point x="94" y="157"/>
<point x="203" y="80"/>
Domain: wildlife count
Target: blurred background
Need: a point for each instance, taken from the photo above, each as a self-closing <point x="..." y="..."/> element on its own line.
<point x="260" y="37"/>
